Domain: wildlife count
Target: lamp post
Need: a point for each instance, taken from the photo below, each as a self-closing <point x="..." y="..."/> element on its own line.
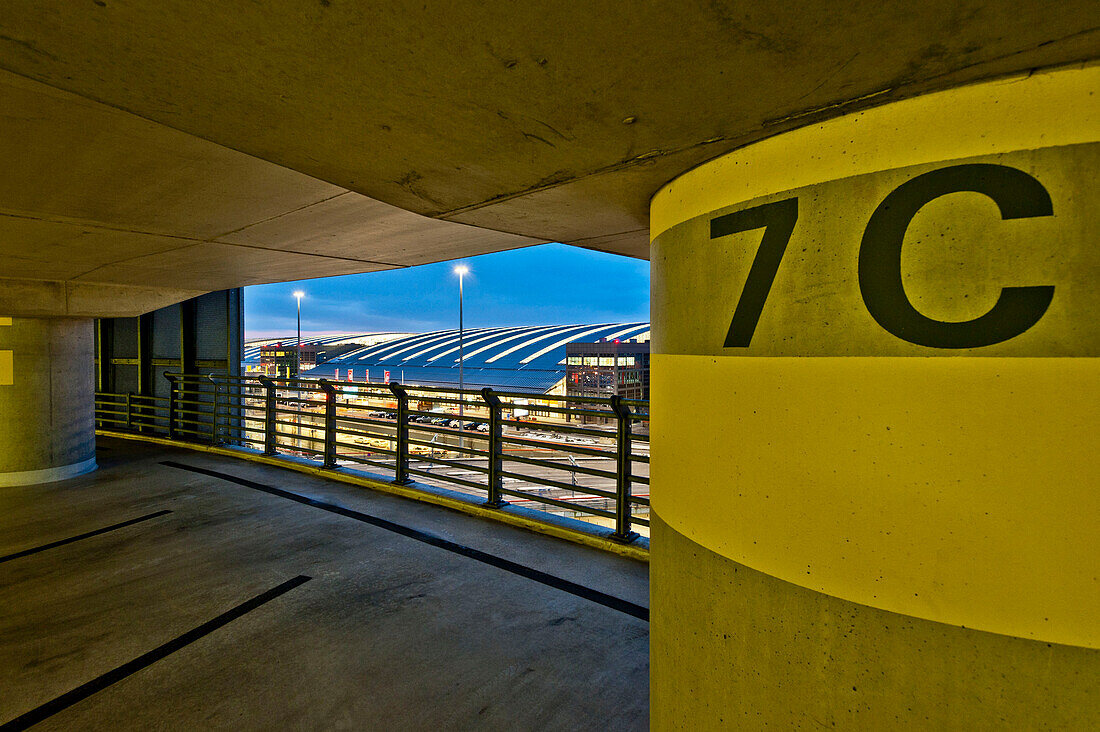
<point x="298" y="295"/>
<point x="461" y="271"/>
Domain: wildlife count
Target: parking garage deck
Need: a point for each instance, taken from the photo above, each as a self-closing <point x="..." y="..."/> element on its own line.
<point x="175" y="589"/>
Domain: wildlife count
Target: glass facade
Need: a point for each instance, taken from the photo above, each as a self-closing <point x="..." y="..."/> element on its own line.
<point x="606" y="368"/>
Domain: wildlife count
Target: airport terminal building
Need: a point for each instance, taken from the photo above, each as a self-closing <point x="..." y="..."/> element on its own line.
<point x="515" y="358"/>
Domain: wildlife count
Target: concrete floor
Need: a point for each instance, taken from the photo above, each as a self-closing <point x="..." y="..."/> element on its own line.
<point x="435" y="620"/>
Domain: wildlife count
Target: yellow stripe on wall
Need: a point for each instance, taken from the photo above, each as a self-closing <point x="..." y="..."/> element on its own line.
<point x="958" y="490"/>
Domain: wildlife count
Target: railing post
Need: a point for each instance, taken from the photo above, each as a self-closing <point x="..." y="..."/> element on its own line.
<point x="622" y="472"/>
<point x="330" y="422"/>
<point x="269" y="415"/>
<point x="401" y="467"/>
<point x="214" y="417"/>
<point x="496" y="449"/>
<point x="172" y="403"/>
<point x="129" y="411"/>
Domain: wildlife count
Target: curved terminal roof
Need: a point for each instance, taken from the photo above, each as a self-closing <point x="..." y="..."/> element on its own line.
<point x="251" y="353"/>
<point x="526" y="358"/>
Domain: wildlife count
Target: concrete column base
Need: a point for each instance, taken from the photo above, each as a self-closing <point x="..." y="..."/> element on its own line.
<point x="47" y="400"/>
<point x="47" y="475"/>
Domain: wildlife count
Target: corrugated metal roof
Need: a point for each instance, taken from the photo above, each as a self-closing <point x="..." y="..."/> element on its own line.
<point x="251" y="350"/>
<point x="528" y="358"/>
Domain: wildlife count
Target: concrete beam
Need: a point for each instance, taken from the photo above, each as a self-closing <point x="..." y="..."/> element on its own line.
<point x="52" y="299"/>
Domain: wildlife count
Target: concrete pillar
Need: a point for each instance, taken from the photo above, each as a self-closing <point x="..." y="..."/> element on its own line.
<point x="47" y="400"/>
<point x="876" y="482"/>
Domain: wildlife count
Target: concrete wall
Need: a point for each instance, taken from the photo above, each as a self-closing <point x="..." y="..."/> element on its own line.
<point x="46" y="399"/>
<point x="204" y="334"/>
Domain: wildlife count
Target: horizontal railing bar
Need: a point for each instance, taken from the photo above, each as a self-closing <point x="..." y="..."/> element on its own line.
<point x="448" y="448"/>
<point x="135" y="399"/>
<point x="464" y="418"/>
<point x="452" y="464"/>
<point x="607" y="434"/>
<point x="558" y="484"/>
<point x="365" y="461"/>
<point x="365" y="420"/>
<point x="560" y="504"/>
<point x="365" y="448"/>
<point x="309" y="450"/>
<point x="457" y="481"/>
<point x="470" y="451"/>
<point x="372" y="435"/>
<point x="595" y="472"/>
<point x="292" y="436"/>
<point x="559" y="446"/>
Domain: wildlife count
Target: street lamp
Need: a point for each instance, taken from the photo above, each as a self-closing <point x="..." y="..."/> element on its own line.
<point x="298" y="295"/>
<point x="461" y="271"/>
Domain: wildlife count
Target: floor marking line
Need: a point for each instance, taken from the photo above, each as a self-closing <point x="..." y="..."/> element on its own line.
<point x="549" y="580"/>
<point x="85" y="535"/>
<point x="129" y="668"/>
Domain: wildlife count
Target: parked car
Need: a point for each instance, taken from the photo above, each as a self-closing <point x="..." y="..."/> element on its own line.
<point x="483" y="427"/>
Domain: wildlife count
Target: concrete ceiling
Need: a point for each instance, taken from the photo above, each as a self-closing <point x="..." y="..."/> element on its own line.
<point x="105" y="213"/>
<point x="553" y="121"/>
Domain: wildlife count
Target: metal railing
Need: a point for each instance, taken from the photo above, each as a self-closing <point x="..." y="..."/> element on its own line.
<point x="587" y="458"/>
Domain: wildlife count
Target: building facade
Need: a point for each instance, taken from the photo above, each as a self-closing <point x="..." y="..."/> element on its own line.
<point x="607" y="368"/>
<point x="281" y="361"/>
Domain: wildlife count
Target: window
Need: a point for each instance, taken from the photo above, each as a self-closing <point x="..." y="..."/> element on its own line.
<point x="607" y="360"/>
<point x="574" y="361"/>
<point x="590" y="361"/>
<point x="626" y="360"/>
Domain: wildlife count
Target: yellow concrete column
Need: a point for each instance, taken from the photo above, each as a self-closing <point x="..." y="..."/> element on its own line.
<point x="875" y="396"/>
<point x="47" y="392"/>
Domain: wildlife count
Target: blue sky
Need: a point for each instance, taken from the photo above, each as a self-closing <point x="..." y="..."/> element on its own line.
<point x="541" y="285"/>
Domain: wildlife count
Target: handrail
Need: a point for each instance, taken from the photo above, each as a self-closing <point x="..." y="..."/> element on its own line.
<point x="342" y="424"/>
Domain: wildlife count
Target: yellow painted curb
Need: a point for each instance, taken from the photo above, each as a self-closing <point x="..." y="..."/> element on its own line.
<point x="596" y="542"/>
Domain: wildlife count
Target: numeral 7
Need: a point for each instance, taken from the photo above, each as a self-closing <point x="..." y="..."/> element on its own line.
<point x="777" y="220"/>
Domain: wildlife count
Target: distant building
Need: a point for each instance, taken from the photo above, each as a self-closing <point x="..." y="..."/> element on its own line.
<point x="279" y="361"/>
<point x="606" y="368"/>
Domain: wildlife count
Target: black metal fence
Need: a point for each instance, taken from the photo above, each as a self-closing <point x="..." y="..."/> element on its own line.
<point x="587" y="458"/>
